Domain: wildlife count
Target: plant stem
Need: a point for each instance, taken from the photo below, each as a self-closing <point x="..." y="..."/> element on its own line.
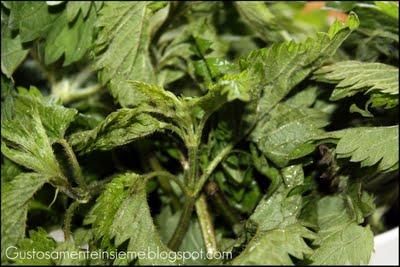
<point x="229" y="214"/>
<point x="74" y="163"/>
<point x="67" y="221"/>
<point x="207" y="227"/>
<point x="164" y="182"/>
<point x="192" y="155"/>
<point x="211" y="167"/>
<point x="183" y="224"/>
<point x="169" y="176"/>
<point x="77" y="195"/>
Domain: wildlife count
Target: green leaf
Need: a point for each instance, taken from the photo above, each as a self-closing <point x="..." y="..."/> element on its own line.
<point x="278" y="234"/>
<point x="15" y="197"/>
<point x="340" y="239"/>
<point x="122" y="47"/>
<point x="69" y="39"/>
<point x="388" y="7"/>
<point x="286" y="133"/>
<point x="369" y="145"/>
<point x="37" y="241"/>
<point x="230" y="87"/>
<point x="177" y="46"/>
<point x="352" y="77"/>
<point x="282" y="66"/>
<point x="102" y="214"/>
<point x="7" y="98"/>
<point x="32" y="19"/>
<point x="156" y="97"/>
<point x="280" y="210"/>
<point x="37" y="123"/>
<point x="12" y="51"/>
<point x="363" y="112"/>
<point x="78" y="7"/>
<point x="259" y="18"/>
<point x="276" y="246"/>
<point x="304" y="98"/>
<point x="119" y="128"/>
<point x="9" y="170"/>
<point x="122" y="213"/>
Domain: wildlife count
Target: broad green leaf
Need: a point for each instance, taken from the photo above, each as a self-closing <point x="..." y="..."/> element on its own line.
<point x="12" y="52"/>
<point x="157" y="98"/>
<point x="37" y="241"/>
<point x="69" y="39"/>
<point x="286" y="132"/>
<point x="352" y="245"/>
<point x="390" y="8"/>
<point x="340" y="240"/>
<point x="361" y="203"/>
<point x="7" y="98"/>
<point x="122" y="46"/>
<point x="304" y="98"/>
<point x="280" y="210"/>
<point x="73" y="8"/>
<point x="275" y="247"/>
<point x="107" y="204"/>
<point x="369" y="146"/>
<point x="282" y="66"/>
<point x="33" y="19"/>
<point x="263" y="166"/>
<point x="177" y="45"/>
<point x="121" y="212"/>
<point x="278" y="234"/>
<point x="9" y="170"/>
<point x="352" y="77"/>
<point x="259" y="18"/>
<point x="119" y="128"/>
<point x="37" y="123"/>
<point x="383" y="100"/>
<point x="230" y="87"/>
<point x="15" y="197"/>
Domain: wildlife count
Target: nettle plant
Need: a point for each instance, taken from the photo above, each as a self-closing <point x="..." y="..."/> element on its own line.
<point x="198" y="126"/>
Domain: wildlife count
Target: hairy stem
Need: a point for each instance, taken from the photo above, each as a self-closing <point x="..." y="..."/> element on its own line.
<point x="183" y="224"/>
<point x="207" y="227"/>
<point x="74" y="193"/>
<point x="192" y="155"/>
<point x="74" y="163"/>
<point x="67" y="221"/>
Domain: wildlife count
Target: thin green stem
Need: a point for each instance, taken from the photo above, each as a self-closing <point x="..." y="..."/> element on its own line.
<point x="169" y="176"/>
<point x="230" y="215"/>
<point x="74" y="193"/>
<point x="68" y="218"/>
<point x="183" y="224"/>
<point x="206" y="225"/>
<point x="164" y="182"/>
<point x="74" y="163"/>
<point x="211" y="167"/>
<point x="97" y="186"/>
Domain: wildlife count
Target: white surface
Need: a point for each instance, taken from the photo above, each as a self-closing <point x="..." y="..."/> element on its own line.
<point x="57" y="235"/>
<point x="386" y="248"/>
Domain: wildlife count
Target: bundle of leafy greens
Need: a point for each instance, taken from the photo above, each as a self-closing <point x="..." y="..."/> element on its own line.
<point x="235" y="132"/>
